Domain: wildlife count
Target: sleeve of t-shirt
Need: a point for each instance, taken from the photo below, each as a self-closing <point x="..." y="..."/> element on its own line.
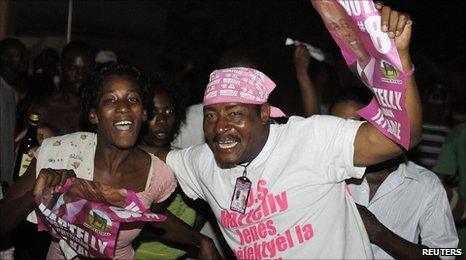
<point x="335" y="137"/>
<point x="186" y="165"/>
<point x="163" y="182"/>
<point x="436" y="223"/>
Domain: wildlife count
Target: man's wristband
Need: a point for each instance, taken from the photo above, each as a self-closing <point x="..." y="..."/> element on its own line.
<point x="408" y="74"/>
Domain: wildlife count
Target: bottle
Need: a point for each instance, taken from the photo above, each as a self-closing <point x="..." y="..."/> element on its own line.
<point x="29" y="141"/>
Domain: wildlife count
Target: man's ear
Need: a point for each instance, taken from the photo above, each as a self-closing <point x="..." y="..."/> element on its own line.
<point x="93" y="117"/>
<point x="144" y="115"/>
<point x="265" y="113"/>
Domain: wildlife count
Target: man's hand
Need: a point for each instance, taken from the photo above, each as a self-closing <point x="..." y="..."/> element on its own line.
<point x="397" y="25"/>
<point x="371" y="146"/>
<point x="373" y="226"/>
<point x="391" y="243"/>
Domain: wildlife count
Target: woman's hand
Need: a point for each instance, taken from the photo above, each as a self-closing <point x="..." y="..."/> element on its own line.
<point x="50" y="178"/>
<point x="208" y="250"/>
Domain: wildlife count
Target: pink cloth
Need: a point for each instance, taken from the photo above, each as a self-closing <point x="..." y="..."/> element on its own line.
<point x="241" y="85"/>
<point x="161" y="184"/>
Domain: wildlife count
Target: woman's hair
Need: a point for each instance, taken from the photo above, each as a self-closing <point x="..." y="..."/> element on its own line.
<point x="91" y="90"/>
<point x="160" y="82"/>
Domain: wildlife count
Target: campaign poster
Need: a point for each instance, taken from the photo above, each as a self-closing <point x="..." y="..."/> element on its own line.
<point x="373" y="57"/>
<point x="85" y="216"/>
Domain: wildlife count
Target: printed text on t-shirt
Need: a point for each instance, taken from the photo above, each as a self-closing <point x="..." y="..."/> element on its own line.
<point x="256" y="231"/>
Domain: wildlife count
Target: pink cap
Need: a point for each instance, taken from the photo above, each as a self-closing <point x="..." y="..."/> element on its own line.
<point x="241" y="85"/>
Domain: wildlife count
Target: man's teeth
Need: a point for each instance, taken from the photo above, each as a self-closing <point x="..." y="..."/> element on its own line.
<point x="123" y="125"/>
<point x="227" y="145"/>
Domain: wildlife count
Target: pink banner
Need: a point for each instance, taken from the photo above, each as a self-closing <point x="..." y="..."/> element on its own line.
<point x="372" y="56"/>
<point x="86" y="216"/>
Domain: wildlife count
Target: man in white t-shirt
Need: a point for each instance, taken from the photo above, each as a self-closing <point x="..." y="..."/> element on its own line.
<point x="298" y="205"/>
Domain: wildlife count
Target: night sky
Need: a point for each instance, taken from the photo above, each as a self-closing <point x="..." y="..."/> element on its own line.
<point x="139" y="31"/>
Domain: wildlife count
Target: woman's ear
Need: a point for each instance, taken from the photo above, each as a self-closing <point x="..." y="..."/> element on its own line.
<point x="93" y="117"/>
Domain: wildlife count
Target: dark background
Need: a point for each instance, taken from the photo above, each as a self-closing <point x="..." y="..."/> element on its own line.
<point x="140" y="31"/>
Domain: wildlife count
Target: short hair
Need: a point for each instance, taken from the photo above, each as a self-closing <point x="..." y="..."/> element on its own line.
<point x="91" y="90"/>
<point x="237" y="58"/>
<point x="9" y="43"/>
<point x="78" y="46"/>
<point x="358" y="95"/>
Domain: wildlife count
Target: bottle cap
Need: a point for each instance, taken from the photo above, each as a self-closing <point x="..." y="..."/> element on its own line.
<point x="34" y="117"/>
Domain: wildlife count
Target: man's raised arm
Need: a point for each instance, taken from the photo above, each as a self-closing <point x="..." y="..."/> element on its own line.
<point x="371" y="146"/>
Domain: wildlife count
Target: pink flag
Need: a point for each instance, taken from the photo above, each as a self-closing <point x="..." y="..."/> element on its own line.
<point x="372" y="56"/>
<point x="85" y="216"/>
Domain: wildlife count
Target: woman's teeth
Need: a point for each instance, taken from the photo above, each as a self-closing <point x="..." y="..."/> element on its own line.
<point x="123" y="125"/>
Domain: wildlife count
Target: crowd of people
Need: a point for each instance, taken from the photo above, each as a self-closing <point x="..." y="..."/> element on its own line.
<point x="327" y="185"/>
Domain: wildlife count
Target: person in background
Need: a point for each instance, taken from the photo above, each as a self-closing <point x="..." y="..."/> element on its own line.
<point x="348" y="101"/>
<point x="11" y="65"/>
<point x="309" y="95"/>
<point x="404" y="206"/>
<point x="12" y="53"/>
<point x="451" y="165"/>
<point x="169" y="113"/>
<point x="104" y="56"/>
<point x="47" y="62"/>
<point x="318" y="91"/>
<point x="435" y="127"/>
<point x="61" y="111"/>
<point x="39" y="86"/>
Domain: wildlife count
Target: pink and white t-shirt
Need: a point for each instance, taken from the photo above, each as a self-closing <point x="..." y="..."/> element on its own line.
<point x="299" y="207"/>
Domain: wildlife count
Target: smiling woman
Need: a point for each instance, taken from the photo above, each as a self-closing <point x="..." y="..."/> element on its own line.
<point x="116" y="102"/>
<point x="94" y="93"/>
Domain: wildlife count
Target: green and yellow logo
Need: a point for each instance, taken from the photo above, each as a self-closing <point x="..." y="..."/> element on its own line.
<point x="388" y="70"/>
<point x="99" y="220"/>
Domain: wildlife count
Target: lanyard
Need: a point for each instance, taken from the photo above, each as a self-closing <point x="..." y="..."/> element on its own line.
<point x="245" y="171"/>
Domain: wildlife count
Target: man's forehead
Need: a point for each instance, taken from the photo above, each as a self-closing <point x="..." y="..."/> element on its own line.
<point x="230" y="105"/>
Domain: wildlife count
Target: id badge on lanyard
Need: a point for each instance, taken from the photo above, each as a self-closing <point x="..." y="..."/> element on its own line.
<point x="239" y="200"/>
